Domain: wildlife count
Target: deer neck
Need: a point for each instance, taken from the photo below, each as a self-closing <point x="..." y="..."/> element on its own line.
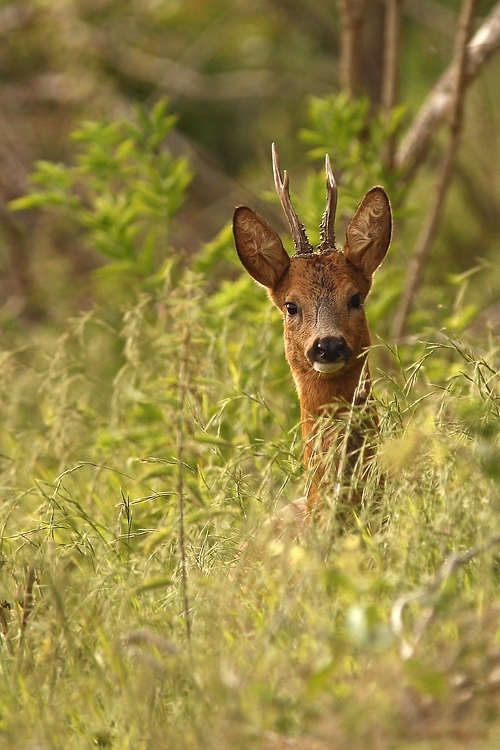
<point x="319" y="395"/>
<point x="330" y="397"/>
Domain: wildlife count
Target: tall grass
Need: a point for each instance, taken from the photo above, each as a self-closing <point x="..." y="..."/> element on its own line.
<point x="331" y="640"/>
<point x="130" y="619"/>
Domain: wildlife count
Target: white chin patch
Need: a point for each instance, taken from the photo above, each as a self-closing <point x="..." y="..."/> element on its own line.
<point x="328" y="367"/>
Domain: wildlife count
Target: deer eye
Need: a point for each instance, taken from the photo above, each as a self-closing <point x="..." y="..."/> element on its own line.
<point x="291" y="308"/>
<point x="356" y="302"/>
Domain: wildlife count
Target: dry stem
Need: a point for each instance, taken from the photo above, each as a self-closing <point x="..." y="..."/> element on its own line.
<point x="183" y="371"/>
<point x="353" y="19"/>
<point x="446" y="570"/>
<point x="428" y="234"/>
<point x="391" y="68"/>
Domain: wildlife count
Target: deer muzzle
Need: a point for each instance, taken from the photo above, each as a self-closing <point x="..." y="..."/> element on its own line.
<point x="329" y="353"/>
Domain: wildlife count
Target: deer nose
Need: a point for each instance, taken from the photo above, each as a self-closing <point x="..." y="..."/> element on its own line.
<point x="329" y="349"/>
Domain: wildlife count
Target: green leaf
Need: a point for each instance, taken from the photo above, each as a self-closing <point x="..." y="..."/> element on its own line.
<point x="203" y="437"/>
<point x="156" y="582"/>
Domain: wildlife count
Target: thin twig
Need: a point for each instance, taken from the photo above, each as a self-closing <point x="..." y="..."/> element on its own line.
<point x="28" y="596"/>
<point x="183" y="373"/>
<point x="390" y="83"/>
<point x="26" y="601"/>
<point x="434" y="217"/>
<point x="446" y="570"/>
<point x="5" y="624"/>
<point x="436" y="108"/>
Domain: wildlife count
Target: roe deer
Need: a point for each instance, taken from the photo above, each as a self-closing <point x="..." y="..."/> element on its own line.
<point x="321" y="295"/>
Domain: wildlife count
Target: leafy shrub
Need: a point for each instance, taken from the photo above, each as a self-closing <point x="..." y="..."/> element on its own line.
<point x="122" y="193"/>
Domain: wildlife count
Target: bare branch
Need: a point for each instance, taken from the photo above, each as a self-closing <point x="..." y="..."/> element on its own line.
<point x="183" y="374"/>
<point x="422" y="594"/>
<point x="178" y="79"/>
<point x="353" y="19"/>
<point x="436" y="109"/>
<point x="391" y="68"/>
<point x="391" y="57"/>
<point x="27" y="601"/>
<point x="428" y="234"/>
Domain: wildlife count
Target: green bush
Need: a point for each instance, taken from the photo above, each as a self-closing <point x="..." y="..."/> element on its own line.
<point x="122" y="194"/>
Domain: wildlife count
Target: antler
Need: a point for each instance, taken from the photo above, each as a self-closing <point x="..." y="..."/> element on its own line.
<point x="327" y="228"/>
<point x="302" y="244"/>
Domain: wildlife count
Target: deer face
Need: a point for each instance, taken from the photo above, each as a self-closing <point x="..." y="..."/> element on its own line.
<point x="321" y="295"/>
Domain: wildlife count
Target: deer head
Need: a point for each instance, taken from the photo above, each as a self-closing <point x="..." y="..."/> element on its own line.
<point x="321" y="294"/>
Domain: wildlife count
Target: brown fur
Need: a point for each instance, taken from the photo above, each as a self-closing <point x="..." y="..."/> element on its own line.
<point x="322" y="286"/>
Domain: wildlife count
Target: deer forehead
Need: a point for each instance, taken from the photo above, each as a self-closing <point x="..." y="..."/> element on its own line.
<point x="313" y="277"/>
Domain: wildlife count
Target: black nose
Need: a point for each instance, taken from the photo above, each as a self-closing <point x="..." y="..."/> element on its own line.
<point x="329" y="349"/>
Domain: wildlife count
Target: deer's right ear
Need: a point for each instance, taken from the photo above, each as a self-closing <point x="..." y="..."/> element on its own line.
<point x="259" y="247"/>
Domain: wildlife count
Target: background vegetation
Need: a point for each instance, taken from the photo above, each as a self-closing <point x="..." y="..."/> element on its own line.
<point x="149" y="424"/>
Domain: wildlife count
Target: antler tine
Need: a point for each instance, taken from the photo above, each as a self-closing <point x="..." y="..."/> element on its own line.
<point x="302" y="244"/>
<point x="327" y="229"/>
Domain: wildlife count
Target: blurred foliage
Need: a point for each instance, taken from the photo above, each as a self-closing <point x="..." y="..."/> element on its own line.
<point x="355" y="137"/>
<point x="238" y="75"/>
<point x="123" y="192"/>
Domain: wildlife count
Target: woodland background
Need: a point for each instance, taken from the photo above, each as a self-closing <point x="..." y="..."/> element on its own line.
<point x="150" y="428"/>
<point x="238" y="75"/>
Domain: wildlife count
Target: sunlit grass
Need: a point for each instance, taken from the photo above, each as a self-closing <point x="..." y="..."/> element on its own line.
<point x="343" y="638"/>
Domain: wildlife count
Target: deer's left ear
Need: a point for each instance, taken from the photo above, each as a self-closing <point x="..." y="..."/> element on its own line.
<point x="369" y="232"/>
